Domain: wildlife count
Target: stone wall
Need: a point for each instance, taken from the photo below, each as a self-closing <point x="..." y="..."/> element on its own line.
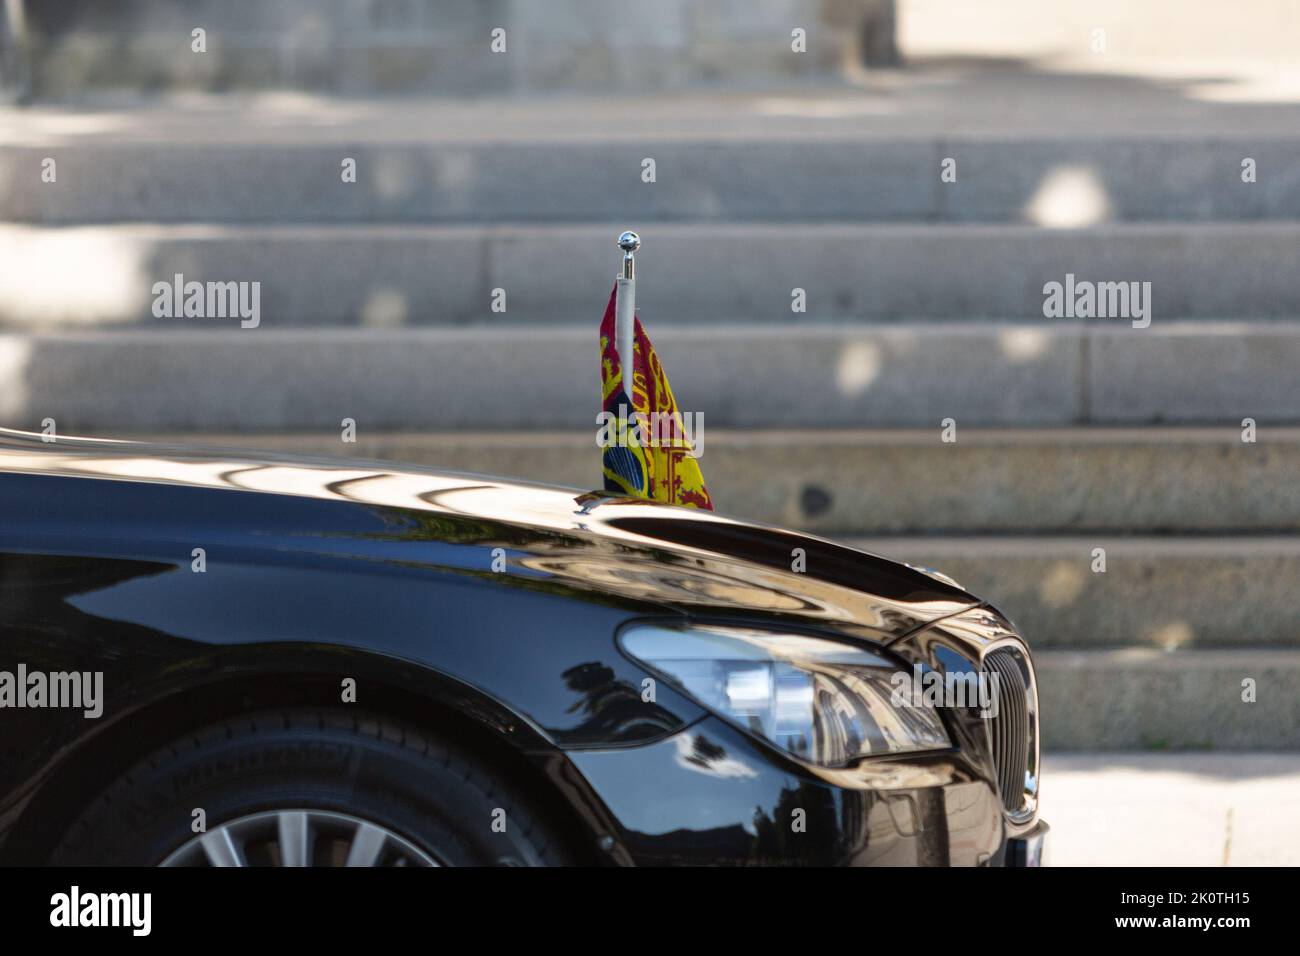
<point x="366" y="47"/>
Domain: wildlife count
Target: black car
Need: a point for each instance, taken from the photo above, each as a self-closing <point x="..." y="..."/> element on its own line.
<point x="222" y="659"/>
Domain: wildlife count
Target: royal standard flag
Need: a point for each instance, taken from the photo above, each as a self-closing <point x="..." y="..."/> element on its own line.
<point x="647" y="449"/>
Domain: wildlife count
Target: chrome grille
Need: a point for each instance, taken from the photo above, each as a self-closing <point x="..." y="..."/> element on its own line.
<point x="1012" y="733"/>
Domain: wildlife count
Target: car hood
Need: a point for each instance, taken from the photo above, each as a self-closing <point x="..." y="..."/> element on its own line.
<point x="641" y="553"/>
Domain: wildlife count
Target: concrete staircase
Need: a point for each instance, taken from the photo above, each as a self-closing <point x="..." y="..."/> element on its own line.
<point x="437" y="46"/>
<point x="924" y="303"/>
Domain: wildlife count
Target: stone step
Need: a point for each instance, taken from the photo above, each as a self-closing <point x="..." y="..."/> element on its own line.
<point x="432" y="48"/>
<point x="1145" y="699"/>
<point x="738" y="375"/>
<point x="1167" y="593"/>
<point x="419" y="275"/>
<point x="423" y="275"/>
<point x="720" y="179"/>
<point x="844" y="484"/>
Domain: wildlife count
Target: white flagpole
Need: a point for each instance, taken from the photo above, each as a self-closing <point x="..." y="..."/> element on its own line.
<point x="625" y="309"/>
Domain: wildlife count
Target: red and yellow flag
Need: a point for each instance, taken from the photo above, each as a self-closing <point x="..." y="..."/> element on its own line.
<point x="647" y="449"/>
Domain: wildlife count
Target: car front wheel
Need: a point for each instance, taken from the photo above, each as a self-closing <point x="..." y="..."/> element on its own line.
<point x="311" y="788"/>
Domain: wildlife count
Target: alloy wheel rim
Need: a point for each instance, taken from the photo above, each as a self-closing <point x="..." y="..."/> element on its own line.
<point x="299" y="837"/>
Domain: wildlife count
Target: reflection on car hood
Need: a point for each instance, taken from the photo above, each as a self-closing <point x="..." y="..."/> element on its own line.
<point x="644" y="552"/>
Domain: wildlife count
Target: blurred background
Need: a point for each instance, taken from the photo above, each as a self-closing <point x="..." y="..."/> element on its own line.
<point x="772" y="154"/>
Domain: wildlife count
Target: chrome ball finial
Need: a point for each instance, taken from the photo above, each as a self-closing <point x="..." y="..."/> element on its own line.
<point x="629" y="242"/>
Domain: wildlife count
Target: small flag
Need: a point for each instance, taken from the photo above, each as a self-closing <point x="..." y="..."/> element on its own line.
<point x="647" y="450"/>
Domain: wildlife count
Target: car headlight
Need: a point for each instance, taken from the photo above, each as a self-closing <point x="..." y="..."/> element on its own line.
<point x="823" y="701"/>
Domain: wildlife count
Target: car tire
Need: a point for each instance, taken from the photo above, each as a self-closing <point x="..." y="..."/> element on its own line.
<point x="437" y="804"/>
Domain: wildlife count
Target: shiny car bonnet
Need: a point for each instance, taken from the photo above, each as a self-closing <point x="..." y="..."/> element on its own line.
<point x="622" y="549"/>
